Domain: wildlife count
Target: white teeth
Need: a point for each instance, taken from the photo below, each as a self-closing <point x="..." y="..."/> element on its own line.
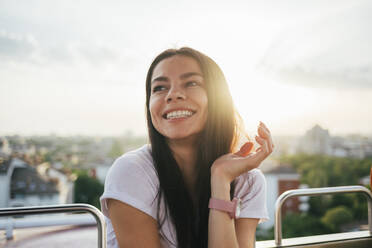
<point x="179" y="114"/>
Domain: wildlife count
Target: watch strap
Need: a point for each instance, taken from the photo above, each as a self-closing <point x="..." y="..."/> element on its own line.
<point x="222" y="205"/>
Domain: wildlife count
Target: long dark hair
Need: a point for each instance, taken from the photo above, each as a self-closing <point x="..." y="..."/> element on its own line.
<point x="219" y="137"/>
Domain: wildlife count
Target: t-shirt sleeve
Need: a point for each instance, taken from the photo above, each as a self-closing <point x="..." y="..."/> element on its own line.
<point x="130" y="181"/>
<point x="251" y="189"/>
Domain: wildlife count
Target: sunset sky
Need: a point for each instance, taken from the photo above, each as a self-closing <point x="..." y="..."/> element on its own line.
<point x="78" y="67"/>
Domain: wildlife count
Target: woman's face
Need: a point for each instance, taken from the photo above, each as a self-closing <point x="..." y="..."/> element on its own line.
<point x="178" y="101"/>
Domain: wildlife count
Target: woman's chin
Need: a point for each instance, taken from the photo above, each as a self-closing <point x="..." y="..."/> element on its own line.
<point x="179" y="137"/>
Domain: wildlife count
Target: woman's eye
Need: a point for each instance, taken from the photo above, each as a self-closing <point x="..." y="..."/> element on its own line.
<point x="191" y="83"/>
<point x="158" y="88"/>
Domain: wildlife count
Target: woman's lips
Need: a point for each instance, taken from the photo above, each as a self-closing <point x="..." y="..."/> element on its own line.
<point x="178" y="114"/>
<point x="177" y="119"/>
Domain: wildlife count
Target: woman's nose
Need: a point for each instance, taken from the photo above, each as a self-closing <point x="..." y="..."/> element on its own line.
<point x="175" y="93"/>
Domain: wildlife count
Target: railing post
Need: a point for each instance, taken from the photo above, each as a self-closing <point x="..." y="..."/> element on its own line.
<point x="314" y="192"/>
<point x="63" y="208"/>
<point x="9" y="229"/>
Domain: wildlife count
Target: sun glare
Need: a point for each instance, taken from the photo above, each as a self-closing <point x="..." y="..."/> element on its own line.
<point x="271" y="101"/>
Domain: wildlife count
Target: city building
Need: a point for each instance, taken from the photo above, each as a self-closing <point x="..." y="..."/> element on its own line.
<point x="24" y="185"/>
<point x="316" y="141"/>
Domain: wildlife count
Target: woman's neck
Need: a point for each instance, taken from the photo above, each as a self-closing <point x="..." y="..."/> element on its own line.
<point x="184" y="151"/>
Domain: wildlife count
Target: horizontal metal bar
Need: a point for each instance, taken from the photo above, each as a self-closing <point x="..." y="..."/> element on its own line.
<point x="324" y="240"/>
<point x="65" y="220"/>
<point x="315" y="192"/>
<point x="63" y="208"/>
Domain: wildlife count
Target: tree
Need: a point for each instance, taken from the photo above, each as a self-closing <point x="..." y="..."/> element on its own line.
<point x="88" y="190"/>
<point x="336" y="217"/>
<point x="328" y="171"/>
<point x="297" y="225"/>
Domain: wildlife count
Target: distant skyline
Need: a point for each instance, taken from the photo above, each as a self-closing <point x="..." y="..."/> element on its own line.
<point x="79" y="67"/>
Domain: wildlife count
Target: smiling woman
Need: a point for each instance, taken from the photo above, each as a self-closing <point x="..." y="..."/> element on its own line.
<point x="190" y="187"/>
<point x="178" y="101"/>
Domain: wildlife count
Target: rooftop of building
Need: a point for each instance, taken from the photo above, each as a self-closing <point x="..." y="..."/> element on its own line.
<point x="27" y="181"/>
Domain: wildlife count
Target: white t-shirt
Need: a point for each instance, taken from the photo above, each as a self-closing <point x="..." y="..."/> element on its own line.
<point x="132" y="179"/>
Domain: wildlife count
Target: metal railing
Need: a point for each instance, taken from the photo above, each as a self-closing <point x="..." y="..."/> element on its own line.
<point x="314" y="192"/>
<point x="64" y="208"/>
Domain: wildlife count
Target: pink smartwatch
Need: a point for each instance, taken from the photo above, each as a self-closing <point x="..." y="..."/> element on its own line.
<point x="231" y="207"/>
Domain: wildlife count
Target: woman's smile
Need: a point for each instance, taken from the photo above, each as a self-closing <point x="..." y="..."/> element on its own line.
<point x="178" y="114"/>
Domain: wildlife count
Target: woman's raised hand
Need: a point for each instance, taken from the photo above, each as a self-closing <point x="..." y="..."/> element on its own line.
<point x="232" y="165"/>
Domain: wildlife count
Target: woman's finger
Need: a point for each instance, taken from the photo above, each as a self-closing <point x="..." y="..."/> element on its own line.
<point x="264" y="133"/>
<point x="251" y="160"/>
<point x="263" y="124"/>
<point x="264" y="144"/>
<point x="248" y="160"/>
<point x="262" y="152"/>
<point x="257" y="157"/>
<point x="268" y="132"/>
<point x="245" y="149"/>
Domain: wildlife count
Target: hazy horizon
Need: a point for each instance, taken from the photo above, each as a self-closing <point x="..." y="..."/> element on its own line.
<point x="144" y="134"/>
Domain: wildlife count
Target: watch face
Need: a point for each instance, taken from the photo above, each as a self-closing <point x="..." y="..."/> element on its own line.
<point x="237" y="210"/>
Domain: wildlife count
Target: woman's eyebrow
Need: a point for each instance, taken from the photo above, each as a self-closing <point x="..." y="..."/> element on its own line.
<point x="160" y="78"/>
<point x="190" y="74"/>
<point x="183" y="76"/>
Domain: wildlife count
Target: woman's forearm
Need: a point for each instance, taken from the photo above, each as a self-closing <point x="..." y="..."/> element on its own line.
<point x="221" y="228"/>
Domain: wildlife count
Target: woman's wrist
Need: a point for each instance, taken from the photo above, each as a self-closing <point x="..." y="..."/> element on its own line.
<point x="220" y="187"/>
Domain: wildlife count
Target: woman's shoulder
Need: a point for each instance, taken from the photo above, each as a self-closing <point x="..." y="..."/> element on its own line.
<point x="254" y="175"/>
<point x="138" y="161"/>
<point x="251" y="189"/>
<point x="251" y="181"/>
<point x="143" y="152"/>
<point x="140" y="156"/>
<point x="132" y="179"/>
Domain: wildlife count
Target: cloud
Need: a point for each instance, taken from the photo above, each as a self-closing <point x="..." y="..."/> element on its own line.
<point x="334" y="51"/>
<point x="345" y="78"/>
<point x="23" y="48"/>
<point x="17" y="47"/>
<point x="98" y="54"/>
